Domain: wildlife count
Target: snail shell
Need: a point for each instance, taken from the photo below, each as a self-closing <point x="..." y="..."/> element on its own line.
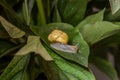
<point x="59" y="40"/>
<point x="58" y="36"/>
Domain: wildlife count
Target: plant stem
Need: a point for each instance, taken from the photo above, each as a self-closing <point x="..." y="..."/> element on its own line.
<point x="48" y="9"/>
<point x="41" y="14"/>
<point x="27" y="15"/>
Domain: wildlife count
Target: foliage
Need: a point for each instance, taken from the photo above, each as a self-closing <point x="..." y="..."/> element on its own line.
<point x="26" y="54"/>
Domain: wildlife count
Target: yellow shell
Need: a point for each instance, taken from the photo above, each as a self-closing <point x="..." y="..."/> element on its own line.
<point x="58" y="36"/>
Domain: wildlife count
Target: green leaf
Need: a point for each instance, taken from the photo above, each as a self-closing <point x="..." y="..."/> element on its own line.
<point x="71" y="70"/>
<point x="3" y="63"/>
<point x="12" y="30"/>
<point x="50" y="69"/>
<point x="33" y="69"/>
<point x="75" y="38"/>
<point x="25" y="12"/>
<point x="11" y="14"/>
<point x="72" y="8"/>
<point x="76" y="71"/>
<point x="56" y="15"/>
<point x="4" y="45"/>
<point x="113" y="39"/>
<point x="13" y="17"/>
<point x="6" y="50"/>
<point x="112" y="17"/>
<point x="21" y="76"/>
<point x="93" y="33"/>
<point x="92" y="19"/>
<point x="34" y="45"/>
<point x="18" y="64"/>
<point x="41" y="13"/>
<point x="106" y="67"/>
<point x="7" y="47"/>
<point x="27" y="8"/>
<point x="115" y="5"/>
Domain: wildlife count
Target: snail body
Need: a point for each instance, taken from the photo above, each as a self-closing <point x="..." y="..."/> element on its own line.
<point x="59" y="40"/>
<point x="64" y="47"/>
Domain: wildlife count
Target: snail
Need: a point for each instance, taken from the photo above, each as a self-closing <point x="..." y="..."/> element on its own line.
<point x="59" y="41"/>
<point x="58" y="36"/>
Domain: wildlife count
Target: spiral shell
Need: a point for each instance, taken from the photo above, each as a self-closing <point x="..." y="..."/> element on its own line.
<point x="58" y="36"/>
<point x="59" y="40"/>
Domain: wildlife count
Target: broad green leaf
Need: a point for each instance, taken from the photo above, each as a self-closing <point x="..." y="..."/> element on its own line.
<point x="34" y="45"/>
<point x="91" y="19"/>
<point x="76" y="71"/>
<point x="62" y="76"/>
<point x="18" y="64"/>
<point x="112" y="17"/>
<point x="50" y="69"/>
<point x="70" y="76"/>
<point x="71" y="70"/>
<point x="72" y="11"/>
<point x="113" y="39"/>
<point x="105" y="67"/>
<point x="23" y="75"/>
<point x="115" y="5"/>
<point x="75" y="38"/>
<point x="93" y="33"/>
<point x="61" y="5"/>
<point x="12" y="30"/>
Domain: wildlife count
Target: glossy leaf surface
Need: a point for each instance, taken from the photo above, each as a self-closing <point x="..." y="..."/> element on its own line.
<point x="17" y="65"/>
<point x="75" y="38"/>
<point x="98" y="31"/>
<point x="91" y="19"/>
<point x="115" y="5"/>
<point x="94" y="29"/>
<point x="72" y="8"/>
<point x="70" y="70"/>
